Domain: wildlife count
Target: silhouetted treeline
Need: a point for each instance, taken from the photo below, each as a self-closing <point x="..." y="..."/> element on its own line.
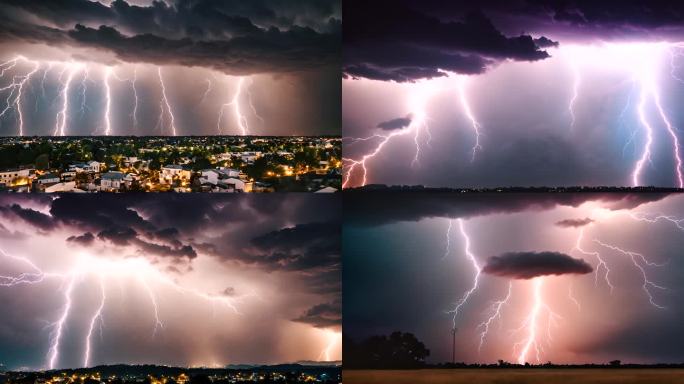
<point x="404" y="351"/>
<point x="543" y="189"/>
<point x="398" y="350"/>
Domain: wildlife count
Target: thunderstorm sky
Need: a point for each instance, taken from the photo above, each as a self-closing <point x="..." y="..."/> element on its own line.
<point x="233" y="280"/>
<point x="513" y="93"/>
<point x="404" y="275"/>
<point x="77" y="67"/>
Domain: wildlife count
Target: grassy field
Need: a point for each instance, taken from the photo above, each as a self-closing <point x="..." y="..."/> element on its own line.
<point x="514" y="376"/>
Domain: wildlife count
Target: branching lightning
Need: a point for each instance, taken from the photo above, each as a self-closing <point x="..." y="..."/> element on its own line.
<point x="575" y="93"/>
<point x="108" y="103"/>
<point x="165" y="103"/>
<point x="495" y="310"/>
<point x="476" y="266"/>
<point x="63" y="114"/>
<point x="469" y="114"/>
<point x="418" y="129"/>
<point x="16" y="87"/>
<point x="531" y="325"/>
<point x="600" y="262"/>
<point x="447" y="249"/>
<point x="240" y="118"/>
<point x="639" y="261"/>
<point x="139" y="269"/>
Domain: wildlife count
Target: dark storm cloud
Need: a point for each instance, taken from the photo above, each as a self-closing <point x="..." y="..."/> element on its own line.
<point x="118" y="236"/>
<point x="527" y="265"/>
<point x="85" y="239"/>
<point x="398" y="123"/>
<point x="398" y="41"/>
<point x="220" y="35"/>
<point x="302" y="247"/>
<point x="37" y="219"/>
<point x="574" y="223"/>
<point x="323" y="315"/>
<point x="369" y="207"/>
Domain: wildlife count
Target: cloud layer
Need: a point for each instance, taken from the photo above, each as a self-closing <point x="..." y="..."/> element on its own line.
<point x="528" y="265"/>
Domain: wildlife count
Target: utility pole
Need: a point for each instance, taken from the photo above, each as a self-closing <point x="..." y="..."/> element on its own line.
<point x="453" y="346"/>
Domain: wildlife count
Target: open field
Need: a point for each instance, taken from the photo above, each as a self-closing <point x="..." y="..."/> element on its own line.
<point x="515" y="376"/>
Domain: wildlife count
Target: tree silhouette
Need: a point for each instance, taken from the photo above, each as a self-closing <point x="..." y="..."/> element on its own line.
<point x="398" y="350"/>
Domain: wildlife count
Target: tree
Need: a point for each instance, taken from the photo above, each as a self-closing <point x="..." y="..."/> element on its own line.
<point x="615" y="363"/>
<point x="398" y="350"/>
<point x="42" y="162"/>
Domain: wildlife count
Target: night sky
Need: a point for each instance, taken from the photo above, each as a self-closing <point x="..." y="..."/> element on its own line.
<point x="251" y="279"/>
<point x="408" y="266"/>
<point x="271" y="66"/>
<point x="498" y="93"/>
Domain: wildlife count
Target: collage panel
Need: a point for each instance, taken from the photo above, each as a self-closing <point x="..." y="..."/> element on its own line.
<point x="170" y="96"/>
<point x="135" y="288"/>
<point x="491" y="94"/>
<point x="445" y="286"/>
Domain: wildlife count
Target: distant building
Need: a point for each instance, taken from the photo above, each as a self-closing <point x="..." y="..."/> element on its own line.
<point x="89" y="167"/>
<point x="9" y="176"/>
<point x="112" y="181"/>
<point x="172" y="172"/>
<point x="48" y="178"/>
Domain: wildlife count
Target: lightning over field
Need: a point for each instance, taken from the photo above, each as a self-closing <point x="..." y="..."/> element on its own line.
<point x="558" y="104"/>
<point x="139" y="68"/>
<point x="527" y="278"/>
<point x="130" y="282"/>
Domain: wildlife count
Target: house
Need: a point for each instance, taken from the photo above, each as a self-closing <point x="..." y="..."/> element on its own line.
<point x="172" y="172"/>
<point x="112" y="181"/>
<point x="214" y="176"/>
<point x="250" y="157"/>
<point x="90" y="167"/>
<point x="47" y="179"/>
<point x="10" y="176"/>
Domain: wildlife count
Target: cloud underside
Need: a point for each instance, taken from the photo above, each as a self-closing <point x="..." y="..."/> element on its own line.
<point x="408" y="40"/>
<point x="396" y="41"/>
<point x="222" y="36"/>
<point x="528" y="265"/>
<point x="253" y="231"/>
<point x="383" y="206"/>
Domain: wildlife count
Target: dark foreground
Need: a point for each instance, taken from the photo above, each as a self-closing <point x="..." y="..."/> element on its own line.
<point x="515" y="376"/>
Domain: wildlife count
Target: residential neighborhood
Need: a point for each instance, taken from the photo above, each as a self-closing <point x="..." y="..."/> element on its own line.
<point x="212" y="164"/>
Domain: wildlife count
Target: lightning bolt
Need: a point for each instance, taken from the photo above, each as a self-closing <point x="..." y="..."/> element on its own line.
<point x="84" y="89"/>
<point x="649" y="90"/>
<point x="572" y="298"/>
<point x="63" y="114"/>
<point x="469" y="114"/>
<point x="448" y="239"/>
<point x="575" y="93"/>
<point x="326" y="353"/>
<point x="476" y="266"/>
<point x="135" y="96"/>
<point x="495" y="314"/>
<point x="601" y="262"/>
<point x="165" y="102"/>
<point x="240" y="118"/>
<point x="531" y="324"/>
<point x="8" y="65"/>
<point x="16" y="87"/>
<point x="88" y="265"/>
<point x="639" y="260"/>
<point x="643" y="217"/>
<point x="418" y="127"/>
<point x="251" y="104"/>
<point x="97" y="316"/>
<point x="53" y="354"/>
<point x="207" y="91"/>
<point x="108" y="103"/>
